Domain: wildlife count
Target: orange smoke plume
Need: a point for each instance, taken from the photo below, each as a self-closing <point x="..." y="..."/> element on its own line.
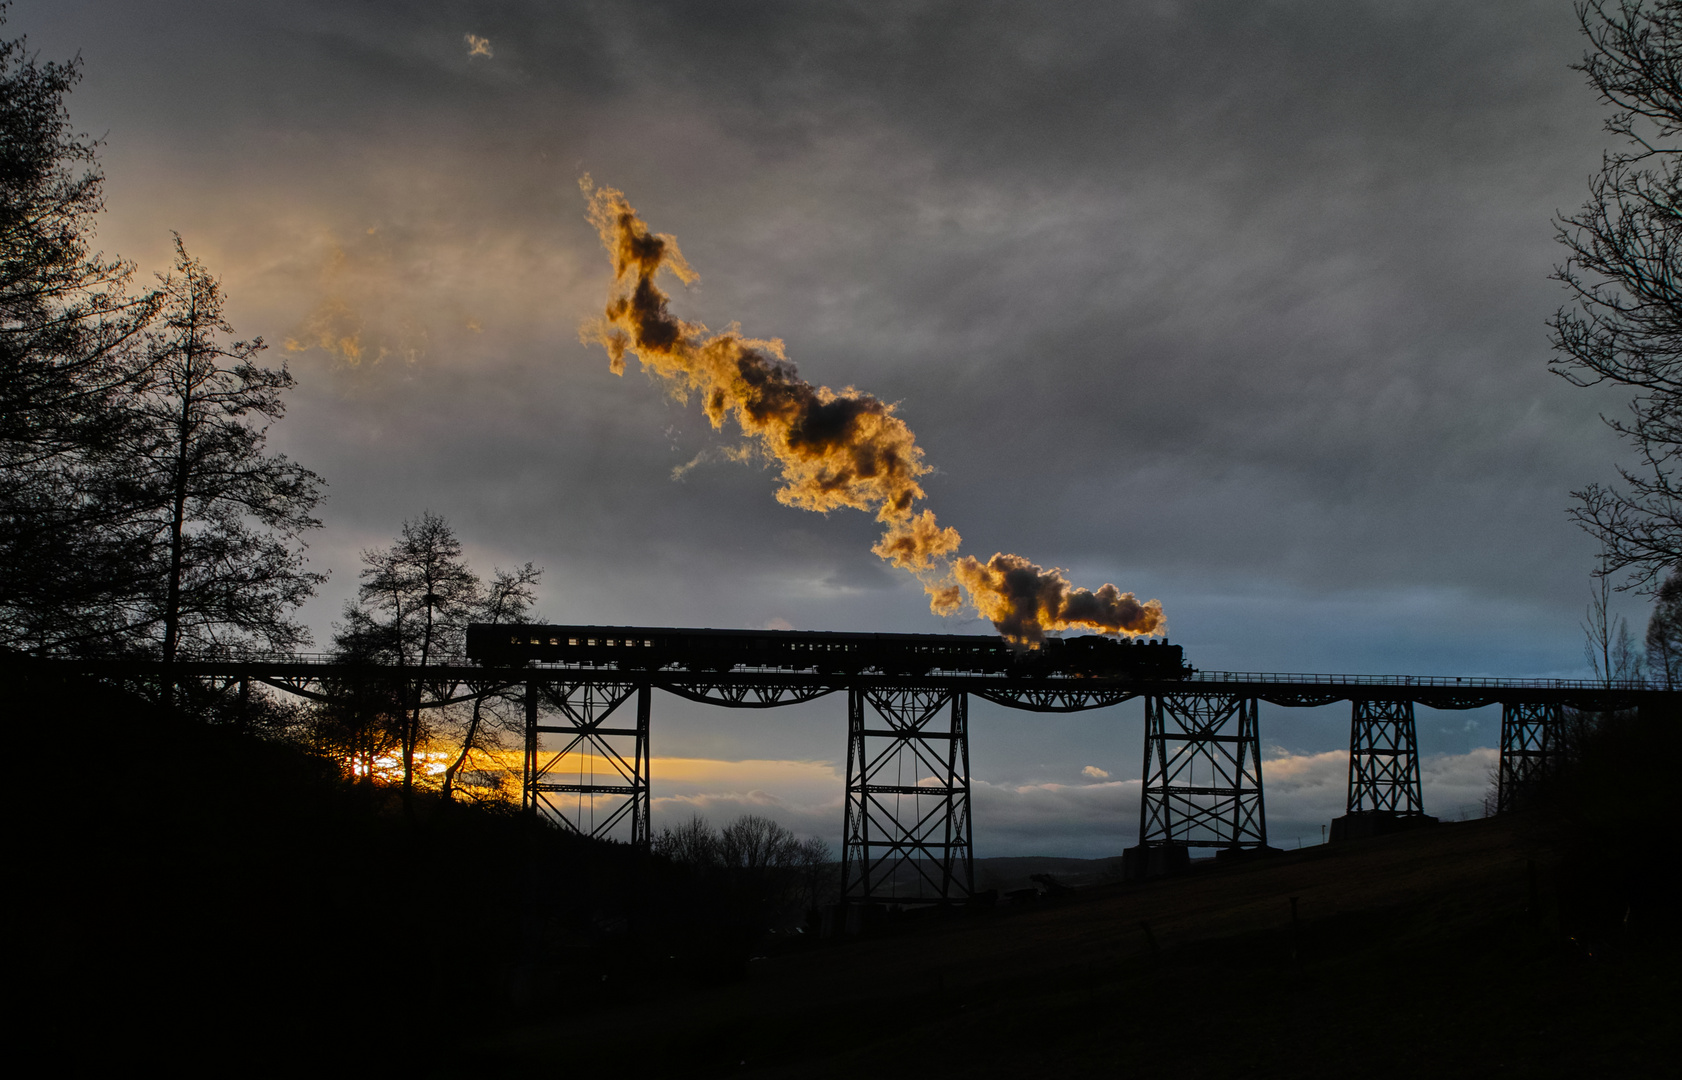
<point x="1024" y="601"/>
<point x="834" y="448"/>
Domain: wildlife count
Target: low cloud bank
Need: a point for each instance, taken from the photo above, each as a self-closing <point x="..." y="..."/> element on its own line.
<point x="804" y="796"/>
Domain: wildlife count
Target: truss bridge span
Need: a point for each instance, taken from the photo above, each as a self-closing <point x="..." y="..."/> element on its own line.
<point x="907" y="706"/>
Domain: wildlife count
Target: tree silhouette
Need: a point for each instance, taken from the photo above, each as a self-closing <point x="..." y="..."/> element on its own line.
<point x="222" y="518"/>
<point x="139" y="511"/>
<point x="762" y="867"/>
<point x="1624" y="274"/>
<point x="1664" y="635"/>
<point x="506" y="600"/>
<point x="359" y="721"/>
<point x="69" y="331"/>
<point x="413" y="606"/>
<point x="693" y="843"/>
<point x="1607" y="642"/>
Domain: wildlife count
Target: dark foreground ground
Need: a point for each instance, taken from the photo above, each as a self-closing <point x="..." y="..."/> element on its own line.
<point x="1412" y="955"/>
<point x="196" y="900"/>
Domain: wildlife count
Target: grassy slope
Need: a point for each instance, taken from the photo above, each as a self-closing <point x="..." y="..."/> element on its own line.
<point x="1414" y="954"/>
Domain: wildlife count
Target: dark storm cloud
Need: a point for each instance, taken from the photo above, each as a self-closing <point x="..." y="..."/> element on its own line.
<point x="1236" y="299"/>
<point x="1237" y="304"/>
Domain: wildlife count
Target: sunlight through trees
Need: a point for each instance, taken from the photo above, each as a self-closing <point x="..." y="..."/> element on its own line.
<point x="140" y="513"/>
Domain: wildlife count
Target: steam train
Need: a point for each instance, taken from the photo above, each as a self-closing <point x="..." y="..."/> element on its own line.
<point x="637" y="648"/>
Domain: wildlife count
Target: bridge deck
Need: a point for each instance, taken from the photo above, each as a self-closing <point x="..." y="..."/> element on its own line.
<point x="1040" y="693"/>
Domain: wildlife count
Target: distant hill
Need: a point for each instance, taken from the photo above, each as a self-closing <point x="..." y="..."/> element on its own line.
<point x="1012" y="873"/>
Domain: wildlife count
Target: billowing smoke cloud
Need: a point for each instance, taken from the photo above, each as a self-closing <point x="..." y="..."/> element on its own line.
<point x="835" y="448"/>
<point x="1024" y="600"/>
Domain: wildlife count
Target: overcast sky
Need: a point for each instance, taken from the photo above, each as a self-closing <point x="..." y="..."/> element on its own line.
<point x="1239" y="306"/>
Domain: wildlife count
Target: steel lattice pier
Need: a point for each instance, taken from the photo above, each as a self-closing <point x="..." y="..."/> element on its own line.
<point x="1385" y="793"/>
<point x="611" y="790"/>
<point x="1384" y="759"/>
<point x="1529" y="738"/>
<point x="907" y="829"/>
<point x="1202" y="773"/>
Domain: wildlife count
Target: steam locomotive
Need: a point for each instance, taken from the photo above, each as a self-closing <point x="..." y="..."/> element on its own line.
<point x="637" y="648"/>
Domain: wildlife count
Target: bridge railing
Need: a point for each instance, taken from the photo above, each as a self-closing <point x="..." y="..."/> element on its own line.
<point x="1445" y="681"/>
<point x="1201" y="678"/>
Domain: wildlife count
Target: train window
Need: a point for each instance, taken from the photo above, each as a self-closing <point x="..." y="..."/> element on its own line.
<point x="610" y="641"/>
<point x="572" y="641"/>
<point x="554" y="641"/>
<point x="514" y="641"/>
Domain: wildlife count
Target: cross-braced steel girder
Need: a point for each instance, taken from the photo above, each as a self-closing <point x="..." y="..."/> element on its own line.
<point x="1384" y="759"/>
<point x="737" y="694"/>
<point x="604" y="769"/>
<point x="1203" y="777"/>
<point x="907" y="829"/>
<point x="1054" y="699"/>
<point x="1529" y="738"/>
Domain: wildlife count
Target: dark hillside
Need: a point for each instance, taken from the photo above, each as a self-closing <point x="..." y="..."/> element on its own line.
<point x="222" y="902"/>
<point x="199" y="893"/>
<point x="1538" y="944"/>
<point x="1412" y="955"/>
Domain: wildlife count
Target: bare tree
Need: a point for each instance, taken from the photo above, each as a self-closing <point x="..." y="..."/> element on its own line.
<point x="1607" y="641"/>
<point x="693" y="843"/>
<point x="753" y="843"/>
<point x="763" y="862"/>
<point x="69" y="334"/>
<point x="1664" y="634"/>
<point x="221" y="518"/>
<point x="413" y="605"/>
<point x="358" y="725"/>
<point x="817" y="869"/>
<point x="1623" y="325"/>
<point x="139" y="511"/>
<point x="507" y="599"/>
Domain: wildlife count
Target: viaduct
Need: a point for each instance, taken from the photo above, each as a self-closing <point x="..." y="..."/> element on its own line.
<point x="907" y="816"/>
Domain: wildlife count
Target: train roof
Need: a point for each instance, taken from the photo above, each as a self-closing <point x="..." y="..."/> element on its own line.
<point x="600" y="631"/>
